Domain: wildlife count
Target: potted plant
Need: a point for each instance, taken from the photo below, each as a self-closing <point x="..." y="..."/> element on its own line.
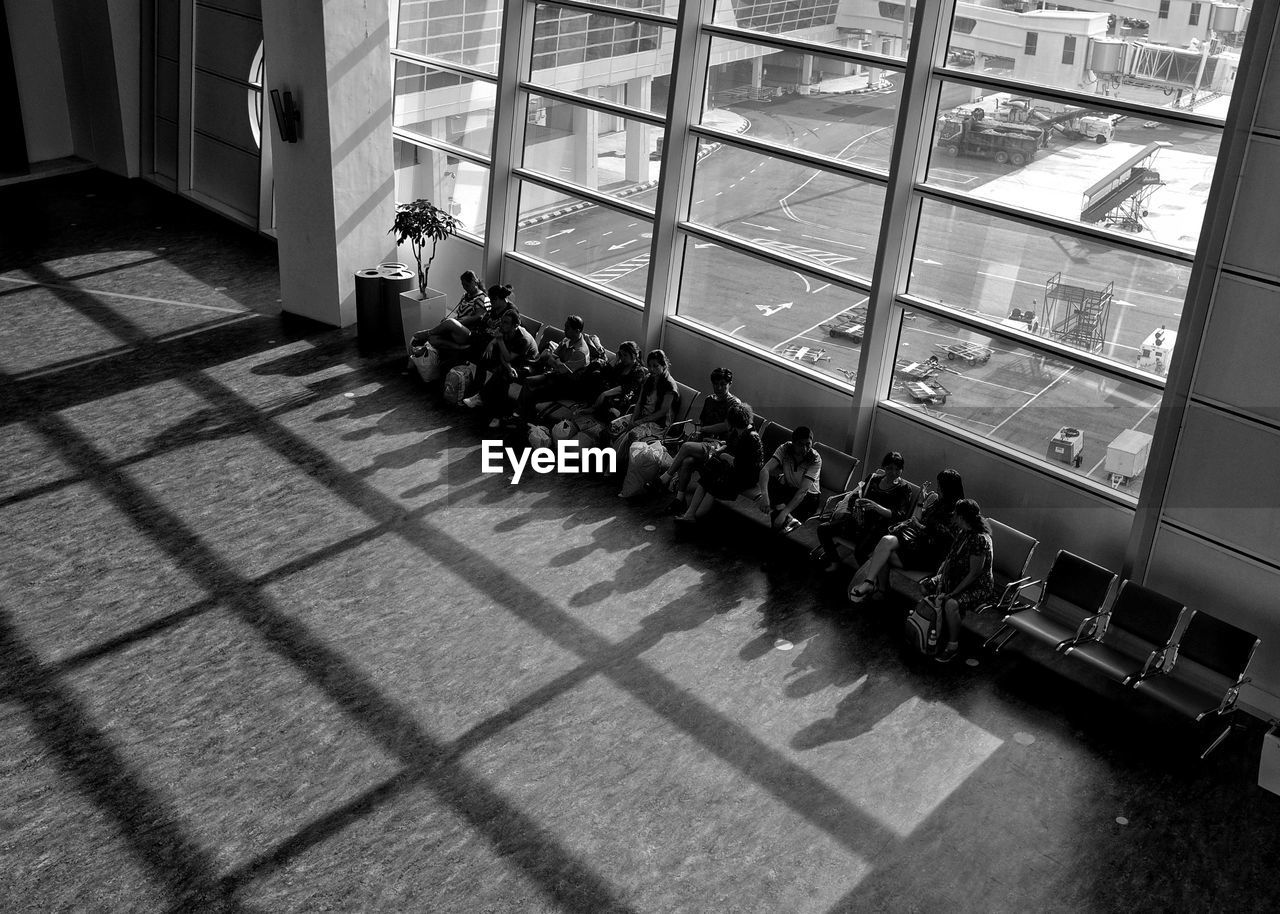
<point x="421" y="223"/>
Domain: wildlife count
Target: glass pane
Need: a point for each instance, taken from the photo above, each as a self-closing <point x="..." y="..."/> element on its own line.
<point x="592" y="148"/>
<point x="466" y="32"/>
<point x="1082" y="293"/>
<point x="1188" y="61"/>
<point x="615" y="58"/>
<point x="1079" y="162"/>
<point x="826" y="21"/>
<point x="445" y="106"/>
<point x="796" y="210"/>
<point x="821" y="105"/>
<point x="454" y="184"/>
<point x="880" y="26"/>
<point x="603" y="245"/>
<point x="799" y="317"/>
<point x="1073" y="417"/>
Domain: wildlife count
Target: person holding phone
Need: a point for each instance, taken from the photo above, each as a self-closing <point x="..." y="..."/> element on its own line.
<point x="881" y="500"/>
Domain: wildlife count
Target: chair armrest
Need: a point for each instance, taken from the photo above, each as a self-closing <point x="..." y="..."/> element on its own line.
<point x="1154" y="666"/>
<point x="1009" y="594"/>
<point x="1090" y="622"/>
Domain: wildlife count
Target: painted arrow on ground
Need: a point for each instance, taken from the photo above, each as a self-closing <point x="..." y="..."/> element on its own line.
<point x="936" y="263"/>
<point x="614" y="247"/>
<point x="769" y="312"/>
<point x="559" y="233"/>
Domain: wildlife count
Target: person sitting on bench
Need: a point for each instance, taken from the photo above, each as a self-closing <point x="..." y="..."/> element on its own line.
<point x="882" y="499"/>
<point x="788" y="482"/>
<point x="453" y="334"/>
<point x="509" y="351"/>
<point x="556" y="371"/>
<point x="612" y="386"/>
<point x="707" y="437"/>
<point x="964" y="579"/>
<point x="732" y="468"/>
<point x="919" y="542"/>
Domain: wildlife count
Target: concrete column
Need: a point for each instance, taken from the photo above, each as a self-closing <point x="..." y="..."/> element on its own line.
<point x="806" y="70"/>
<point x="639" y="134"/>
<point x="586" y="147"/>
<point x="335" y="186"/>
<point x="757" y="72"/>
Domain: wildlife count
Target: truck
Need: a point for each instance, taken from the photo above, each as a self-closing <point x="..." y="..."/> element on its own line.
<point x="1156" y="351"/>
<point x="1127" y="457"/>
<point x="975" y="135"/>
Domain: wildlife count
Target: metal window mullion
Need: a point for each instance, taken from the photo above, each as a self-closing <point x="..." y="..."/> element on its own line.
<point x="422" y="60"/>
<point x="575" y="190"/>
<point x="980" y="323"/>
<point x="794" y="156"/>
<point x="595" y="104"/>
<point x="782" y="43"/>
<point x="1052" y="223"/>
<point x="617" y="12"/>
<point x="1227" y="175"/>
<point x="417" y="139"/>
<point x="508" y="135"/>
<point x="741" y="246"/>
<point x="1066" y="97"/>
<point x="679" y="159"/>
<point x="909" y="158"/>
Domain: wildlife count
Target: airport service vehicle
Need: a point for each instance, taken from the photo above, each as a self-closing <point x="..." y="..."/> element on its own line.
<point x="1067" y="446"/>
<point x="931" y="393"/>
<point x="1127" y="456"/>
<point x="920" y="371"/>
<point x="969" y="352"/>
<point x="1157" y="350"/>
<point x="849" y="329"/>
<point x="976" y="135"/>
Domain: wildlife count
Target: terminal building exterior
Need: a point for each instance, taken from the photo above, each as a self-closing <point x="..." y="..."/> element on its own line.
<point x="627" y="122"/>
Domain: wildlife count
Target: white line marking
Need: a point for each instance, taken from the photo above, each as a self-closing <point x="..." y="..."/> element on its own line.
<point x="158" y="301"/>
<point x="833" y="241"/>
<point x="1066" y="371"/>
<point x="736" y="329"/>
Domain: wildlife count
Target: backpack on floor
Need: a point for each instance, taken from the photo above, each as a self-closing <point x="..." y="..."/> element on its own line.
<point x="457" y="383"/>
<point x="922" y="628"/>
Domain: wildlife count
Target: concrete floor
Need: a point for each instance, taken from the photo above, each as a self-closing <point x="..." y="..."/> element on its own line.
<point x="270" y="642"/>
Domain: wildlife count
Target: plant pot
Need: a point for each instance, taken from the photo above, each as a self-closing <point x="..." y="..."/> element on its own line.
<point x="417" y="313"/>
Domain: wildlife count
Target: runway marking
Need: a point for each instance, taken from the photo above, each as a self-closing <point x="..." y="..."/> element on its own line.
<point x="826" y="258"/>
<point x="843" y="244"/>
<point x="556" y="251"/>
<point x="619" y="270"/>
<point x="146" y="298"/>
<point x="603" y="234"/>
<point x="699" y="202"/>
<point x="736" y="329"/>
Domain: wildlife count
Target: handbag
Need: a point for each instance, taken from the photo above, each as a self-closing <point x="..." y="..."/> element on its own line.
<point x="922" y="627"/>
<point x="909" y="532"/>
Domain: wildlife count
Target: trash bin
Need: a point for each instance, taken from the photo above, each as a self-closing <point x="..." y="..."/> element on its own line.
<point x="395" y="278"/>
<point x="369" y="322"/>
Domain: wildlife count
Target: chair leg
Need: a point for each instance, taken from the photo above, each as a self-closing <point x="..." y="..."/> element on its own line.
<point x="1217" y="742"/>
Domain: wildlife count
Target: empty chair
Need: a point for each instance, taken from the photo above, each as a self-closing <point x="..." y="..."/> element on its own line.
<point x="1073" y="592"/>
<point x="772" y="437"/>
<point x="688" y="397"/>
<point x="1013" y="550"/>
<point x="838" y="468"/>
<point x="533" y="326"/>
<point x="1210" y="661"/>
<point x="1133" y="639"/>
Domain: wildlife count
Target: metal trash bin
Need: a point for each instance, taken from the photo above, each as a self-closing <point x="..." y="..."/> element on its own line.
<point x="369" y="321"/>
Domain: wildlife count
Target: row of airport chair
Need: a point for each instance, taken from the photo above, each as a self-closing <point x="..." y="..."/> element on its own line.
<point x="1188" y="660"/>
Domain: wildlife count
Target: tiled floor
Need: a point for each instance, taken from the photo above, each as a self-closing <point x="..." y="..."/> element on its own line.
<point x="270" y="642"/>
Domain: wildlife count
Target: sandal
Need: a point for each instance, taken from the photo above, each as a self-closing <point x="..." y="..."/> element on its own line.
<point x="861" y="591"/>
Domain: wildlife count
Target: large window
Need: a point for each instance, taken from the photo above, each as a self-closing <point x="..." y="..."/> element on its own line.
<point x="741" y="192"/>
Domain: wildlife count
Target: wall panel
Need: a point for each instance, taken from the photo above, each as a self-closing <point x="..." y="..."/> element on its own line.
<point x="1237" y="364"/>
<point x="1255" y="222"/>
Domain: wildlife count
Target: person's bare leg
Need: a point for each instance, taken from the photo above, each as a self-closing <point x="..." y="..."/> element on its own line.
<point x="876" y="576"/>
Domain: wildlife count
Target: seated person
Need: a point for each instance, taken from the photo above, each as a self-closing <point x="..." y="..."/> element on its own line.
<point x="555" y="371"/>
<point x="654" y="409"/>
<point x="733" y="468"/>
<point x="919" y="542"/>
<point x="788" y="482"/>
<point x="881" y="500"/>
<point x="707" y="436"/>
<point x="964" y="579"/>
<point x="453" y="334"/>
<point x="510" y="350"/>
<point x="500" y="301"/>
<point x="613" y="386"/>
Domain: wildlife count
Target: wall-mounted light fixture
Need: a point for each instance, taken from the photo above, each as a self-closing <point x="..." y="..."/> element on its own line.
<point x="288" y="115"/>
